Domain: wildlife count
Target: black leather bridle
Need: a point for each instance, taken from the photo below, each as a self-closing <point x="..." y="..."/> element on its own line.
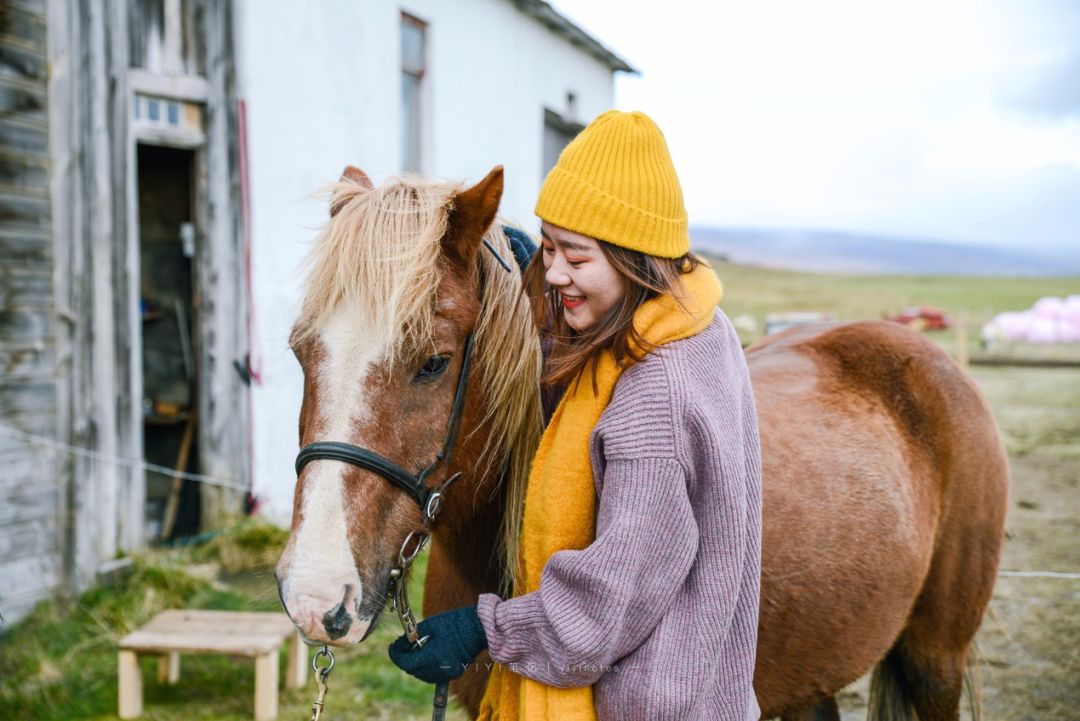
<point x="429" y="499"/>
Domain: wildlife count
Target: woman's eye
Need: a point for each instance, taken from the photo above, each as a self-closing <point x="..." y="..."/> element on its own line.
<point x="434" y="367"/>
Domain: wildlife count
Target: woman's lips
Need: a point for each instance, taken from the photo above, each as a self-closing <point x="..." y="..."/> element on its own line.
<point x="571" y="301"/>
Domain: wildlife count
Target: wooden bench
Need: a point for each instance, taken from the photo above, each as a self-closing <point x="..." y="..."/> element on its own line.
<point x="248" y="635"/>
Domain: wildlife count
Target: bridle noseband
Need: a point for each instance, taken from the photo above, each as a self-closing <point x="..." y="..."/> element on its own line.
<point x="429" y="499"/>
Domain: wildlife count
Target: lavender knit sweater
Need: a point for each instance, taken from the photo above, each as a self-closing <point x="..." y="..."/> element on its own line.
<point x="660" y="612"/>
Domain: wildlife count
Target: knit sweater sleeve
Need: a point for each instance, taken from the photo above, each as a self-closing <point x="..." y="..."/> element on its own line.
<point x="596" y="605"/>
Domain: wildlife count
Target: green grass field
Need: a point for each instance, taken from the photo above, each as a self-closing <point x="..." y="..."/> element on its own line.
<point x="754" y="291"/>
<point x="60" y="663"/>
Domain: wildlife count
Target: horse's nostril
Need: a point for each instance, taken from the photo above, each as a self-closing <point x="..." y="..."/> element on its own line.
<point x="336" y="621"/>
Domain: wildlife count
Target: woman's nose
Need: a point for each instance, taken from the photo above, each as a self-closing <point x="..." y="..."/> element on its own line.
<point x="556" y="274"/>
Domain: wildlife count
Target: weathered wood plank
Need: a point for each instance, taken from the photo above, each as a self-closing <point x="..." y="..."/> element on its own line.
<point x="24" y="324"/>
<point x="27" y="479"/>
<point x="27" y="102"/>
<point x="236" y="633"/>
<point x="41" y="424"/>
<point x="20" y="249"/>
<point x="62" y="156"/>
<point x="29" y="502"/>
<point x="223" y="410"/>
<point x="18" y="360"/>
<point x="246" y="646"/>
<point x="19" y="287"/>
<point x="30" y="576"/>
<point x="36" y="8"/>
<point x="30" y="470"/>
<point x="26" y="538"/>
<point x="23" y="211"/>
<point x="23" y="23"/>
<point x="24" y="172"/>
<point x="22" y="60"/>
<point x="18" y="135"/>
<point x="26" y="398"/>
<point x="267" y="621"/>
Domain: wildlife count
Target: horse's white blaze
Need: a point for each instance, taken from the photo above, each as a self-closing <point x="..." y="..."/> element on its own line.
<point x="322" y="561"/>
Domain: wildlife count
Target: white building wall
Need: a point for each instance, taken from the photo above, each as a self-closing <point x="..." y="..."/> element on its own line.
<point x="322" y="87"/>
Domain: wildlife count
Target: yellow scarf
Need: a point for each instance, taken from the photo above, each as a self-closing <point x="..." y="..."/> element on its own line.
<point x="560" y="501"/>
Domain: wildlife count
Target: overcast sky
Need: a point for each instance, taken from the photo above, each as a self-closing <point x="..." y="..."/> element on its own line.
<point x="940" y="119"/>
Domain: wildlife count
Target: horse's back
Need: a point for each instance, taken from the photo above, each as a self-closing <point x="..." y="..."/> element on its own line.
<point x="863" y="425"/>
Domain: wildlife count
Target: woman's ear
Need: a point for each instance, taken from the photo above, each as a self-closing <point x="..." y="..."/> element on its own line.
<point x="471" y="213"/>
<point x="343" y="193"/>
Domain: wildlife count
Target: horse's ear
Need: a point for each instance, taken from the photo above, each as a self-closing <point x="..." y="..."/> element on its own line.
<point x="354" y="175"/>
<point x="471" y="215"/>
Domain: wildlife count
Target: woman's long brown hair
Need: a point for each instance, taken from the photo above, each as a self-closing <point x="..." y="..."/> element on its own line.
<point x="570" y="352"/>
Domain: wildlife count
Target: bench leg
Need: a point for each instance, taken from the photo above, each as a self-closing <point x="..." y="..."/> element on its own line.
<point x="296" y="669"/>
<point x="130" y="677"/>
<point x="266" y="686"/>
<point x="168" y="668"/>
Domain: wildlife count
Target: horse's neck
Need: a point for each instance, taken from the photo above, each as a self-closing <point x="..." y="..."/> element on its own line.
<point x="469" y="535"/>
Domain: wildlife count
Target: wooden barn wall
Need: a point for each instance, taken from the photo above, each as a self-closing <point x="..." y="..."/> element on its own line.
<point x="31" y="490"/>
<point x="70" y="329"/>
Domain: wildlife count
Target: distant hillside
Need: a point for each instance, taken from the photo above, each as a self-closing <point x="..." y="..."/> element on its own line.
<point x="837" y="252"/>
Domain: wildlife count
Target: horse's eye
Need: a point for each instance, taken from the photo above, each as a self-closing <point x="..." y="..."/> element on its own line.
<point x="434" y="367"/>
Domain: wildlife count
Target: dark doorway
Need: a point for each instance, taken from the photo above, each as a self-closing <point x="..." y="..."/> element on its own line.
<point x="167" y="246"/>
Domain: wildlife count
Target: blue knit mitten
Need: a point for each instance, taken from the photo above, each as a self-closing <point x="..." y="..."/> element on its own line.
<point x="456" y="638"/>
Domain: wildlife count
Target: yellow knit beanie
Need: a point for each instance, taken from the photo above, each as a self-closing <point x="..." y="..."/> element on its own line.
<point x="615" y="182"/>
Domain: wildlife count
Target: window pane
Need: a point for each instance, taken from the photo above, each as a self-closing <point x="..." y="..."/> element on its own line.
<point x="410" y="122"/>
<point x="412" y="46"/>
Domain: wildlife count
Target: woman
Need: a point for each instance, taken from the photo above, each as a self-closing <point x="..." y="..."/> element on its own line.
<point x="641" y="535"/>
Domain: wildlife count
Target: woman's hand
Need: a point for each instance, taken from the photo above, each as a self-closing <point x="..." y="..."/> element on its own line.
<point x="456" y="638"/>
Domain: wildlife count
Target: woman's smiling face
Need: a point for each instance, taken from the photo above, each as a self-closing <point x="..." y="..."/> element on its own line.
<point x="576" y="267"/>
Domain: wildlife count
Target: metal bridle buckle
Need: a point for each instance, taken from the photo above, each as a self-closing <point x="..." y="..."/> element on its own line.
<point x="437" y="498"/>
<point x="321" y="675"/>
<point x="434" y="505"/>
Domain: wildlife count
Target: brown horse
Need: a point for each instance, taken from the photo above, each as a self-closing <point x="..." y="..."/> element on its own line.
<point x="884" y="476"/>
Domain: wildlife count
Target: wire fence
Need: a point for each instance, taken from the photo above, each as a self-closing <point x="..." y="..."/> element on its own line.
<point x="136" y="463"/>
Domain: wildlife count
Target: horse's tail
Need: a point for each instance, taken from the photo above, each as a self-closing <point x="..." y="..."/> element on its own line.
<point x="890" y="697"/>
<point x="890" y="688"/>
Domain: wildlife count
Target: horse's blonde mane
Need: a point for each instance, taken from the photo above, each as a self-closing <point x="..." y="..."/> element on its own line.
<point x="379" y="255"/>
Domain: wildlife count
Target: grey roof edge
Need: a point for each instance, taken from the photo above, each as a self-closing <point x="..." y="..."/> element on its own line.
<point x="541" y="11"/>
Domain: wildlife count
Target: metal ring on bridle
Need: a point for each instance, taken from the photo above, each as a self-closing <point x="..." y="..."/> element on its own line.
<point x="406" y="560"/>
<point x="323" y="652"/>
<point x="434" y="505"/>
